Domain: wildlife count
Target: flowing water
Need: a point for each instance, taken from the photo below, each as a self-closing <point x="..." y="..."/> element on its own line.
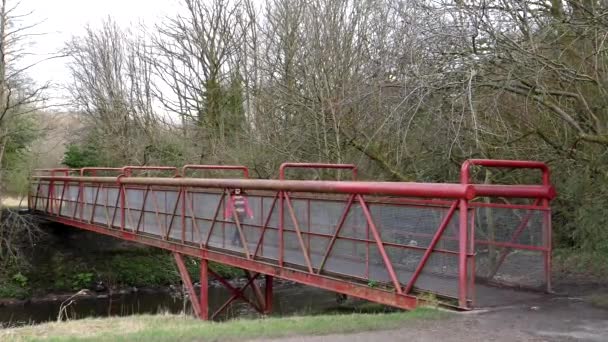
<point x="288" y="299"/>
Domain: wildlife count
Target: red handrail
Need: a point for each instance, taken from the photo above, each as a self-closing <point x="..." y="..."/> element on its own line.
<point x="498" y="163"/>
<point x="428" y="190"/>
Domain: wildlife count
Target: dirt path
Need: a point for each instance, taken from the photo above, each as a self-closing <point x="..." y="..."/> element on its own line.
<point x="547" y="319"/>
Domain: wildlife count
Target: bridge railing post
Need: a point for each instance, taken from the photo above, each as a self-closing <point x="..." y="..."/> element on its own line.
<point x="543" y="201"/>
<point x="122" y="200"/>
<point x="187" y="282"/>
<point x="204" y="293"/>
<point x="281" y="227"/>
<point x="268" y="294"/>
<point x="548" y="243"/>
<point x="49" y="196"/>
<point x="462" y="253"/>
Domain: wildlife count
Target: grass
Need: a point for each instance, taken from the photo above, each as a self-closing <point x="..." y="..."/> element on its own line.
<point x="573" y="264"/>
<point x="182" y="328"/>
<point x="599" y="300"/>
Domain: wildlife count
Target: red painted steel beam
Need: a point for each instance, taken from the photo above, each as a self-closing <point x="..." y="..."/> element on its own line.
<point x="548" y="244"/>
<point x="244" y="169"/>
<point x="204" y="293"/>
<point x="285" y="166"/>
<point x="463" y="239"/>
<point x="431" y="248"/>
<point x="268" y="294"/>
<point x="333" y="238"/>
<point x="183" y="272"/>
<point x="515" y="191"/>
<point x="237" y="292"/>
<point x="429" y="190"/>
<point x="498" y="163"/>
<point x="376" y="234"/>
<point x="268" y="217"/>
<point x="296" y="226"/>
<point x="256" y="290"/>
<point x="362" y="291"/>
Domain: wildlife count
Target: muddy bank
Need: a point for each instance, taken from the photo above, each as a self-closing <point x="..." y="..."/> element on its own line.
<point x="84" y="294"/>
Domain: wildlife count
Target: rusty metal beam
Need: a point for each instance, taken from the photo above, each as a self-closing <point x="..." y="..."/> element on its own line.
<point x="362" y="291"/>
<point x="428" y="190"/>
<point x="187" y="282"/>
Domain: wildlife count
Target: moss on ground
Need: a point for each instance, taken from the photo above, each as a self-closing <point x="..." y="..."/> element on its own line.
<point x="599" y="300"/>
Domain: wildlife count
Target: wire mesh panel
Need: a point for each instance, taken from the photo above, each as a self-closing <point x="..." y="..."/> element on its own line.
<point x="392" y="243"/>
<point x="328" y="235"/>
<point x="352" y="250"/>
<point x="410" y="229"/>
<point x="69" y="193"/>
<point x="106" y="205"/>
<point x="56" y="198"/>
<point x="200" y="210"/>
<point x="39" y="195"/>
<point x="511" y="245"/>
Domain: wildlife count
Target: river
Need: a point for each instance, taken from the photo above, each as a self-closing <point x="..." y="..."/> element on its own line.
<point x="288" y="299"/>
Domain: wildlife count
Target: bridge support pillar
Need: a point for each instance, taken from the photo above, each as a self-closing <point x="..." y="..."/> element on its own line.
<point x="262" y="302"/>
<point x="268" y="294"/>
<point x="204" y="293"/>
<point x="187" y="283"/>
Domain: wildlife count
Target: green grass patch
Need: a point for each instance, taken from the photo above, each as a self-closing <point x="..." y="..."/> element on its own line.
<point x="181" y="328"/>
<point x="599" y="300"/>
<point x="11" y="289"/>
<point x="580" y="263"/>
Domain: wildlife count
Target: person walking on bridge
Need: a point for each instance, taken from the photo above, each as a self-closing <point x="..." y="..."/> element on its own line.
<point x="238" y="208"/>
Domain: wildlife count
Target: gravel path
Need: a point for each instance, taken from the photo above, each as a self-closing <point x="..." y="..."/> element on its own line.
<point x="549" y="319"/>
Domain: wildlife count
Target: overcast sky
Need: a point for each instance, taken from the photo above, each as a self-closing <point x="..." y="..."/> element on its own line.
<point x="63" y="19"/>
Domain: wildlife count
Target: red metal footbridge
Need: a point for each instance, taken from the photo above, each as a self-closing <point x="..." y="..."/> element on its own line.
<point x="394" y="243"/>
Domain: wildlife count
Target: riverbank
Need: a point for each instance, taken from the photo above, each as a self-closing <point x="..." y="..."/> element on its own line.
<point x="184" y="328"/>
<point x="545" y="318"/>
<point x="67" y="260"/>
<point x="548" y="318"/>
<point x="289" y="299"/>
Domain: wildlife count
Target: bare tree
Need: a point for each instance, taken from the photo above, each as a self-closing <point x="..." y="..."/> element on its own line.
<point x="198" y="61"/>
<point x="19" y="95"/>
<point x="112" y="86"/>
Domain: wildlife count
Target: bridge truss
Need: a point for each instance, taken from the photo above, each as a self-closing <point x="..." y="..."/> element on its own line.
<point x="386" y="242"/>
